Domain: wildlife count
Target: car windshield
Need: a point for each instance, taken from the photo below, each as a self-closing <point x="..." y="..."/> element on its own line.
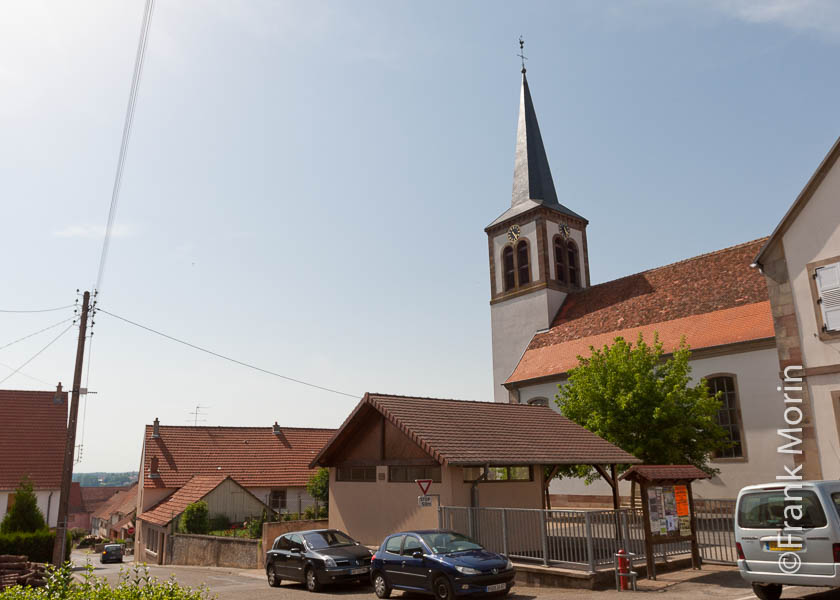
<point x="447" y="542"/>
<point x="114" y="547"/>
<point x="328" y="539"/>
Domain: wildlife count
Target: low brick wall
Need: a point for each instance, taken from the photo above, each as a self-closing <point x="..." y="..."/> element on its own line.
<point x="213" y="551"/>
<point x="272" y="530"/>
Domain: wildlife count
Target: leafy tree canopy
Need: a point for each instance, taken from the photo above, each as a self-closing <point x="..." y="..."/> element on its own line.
<point x="319" y="485"/>
<point x="24" y="516"/>
<point x="629" y="396"/>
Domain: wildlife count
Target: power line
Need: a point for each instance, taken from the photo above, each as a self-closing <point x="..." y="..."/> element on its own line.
<point x="228" y="358"/>
<point x="129" y="118"/>
<point x="34" y="356"/>
<point x="32" y="377"/>
<point x="42" y="310"/>
<point x="26" y="337"/>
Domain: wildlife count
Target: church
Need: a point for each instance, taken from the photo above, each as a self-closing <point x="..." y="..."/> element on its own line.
<point x="762" y="319"/>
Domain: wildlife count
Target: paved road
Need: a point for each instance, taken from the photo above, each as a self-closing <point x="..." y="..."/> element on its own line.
<point x="720" y="583"/>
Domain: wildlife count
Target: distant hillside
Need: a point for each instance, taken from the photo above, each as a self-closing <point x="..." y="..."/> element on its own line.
<point x="105" y="479"/>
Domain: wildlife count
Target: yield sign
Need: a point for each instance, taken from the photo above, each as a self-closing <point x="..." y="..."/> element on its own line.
<point x="424" y="485"/>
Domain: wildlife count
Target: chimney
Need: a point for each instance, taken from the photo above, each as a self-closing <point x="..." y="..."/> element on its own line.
<point x="57" y="399"/>
<point x="276" y="429"/>
<point x="156" y="428"/>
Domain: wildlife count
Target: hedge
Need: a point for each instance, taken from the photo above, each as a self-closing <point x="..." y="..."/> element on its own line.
<point x="38" y="546"/>
<point x="134" y="584"/>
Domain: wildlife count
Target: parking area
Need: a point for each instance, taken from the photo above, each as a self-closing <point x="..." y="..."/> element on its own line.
<point x="722" y="583"/>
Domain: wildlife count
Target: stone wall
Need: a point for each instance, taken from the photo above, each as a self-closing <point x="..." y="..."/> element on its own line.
<point x="213" y="551"/>
<point x="272" y="530"/>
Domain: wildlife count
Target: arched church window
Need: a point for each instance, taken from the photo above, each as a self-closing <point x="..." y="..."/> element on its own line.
<point x="572" y="253"/>
<point x="559" y="259"/>
<point x="508" y="269"/>
<point x="538" y="401"/>
<point x="522" y="264"/>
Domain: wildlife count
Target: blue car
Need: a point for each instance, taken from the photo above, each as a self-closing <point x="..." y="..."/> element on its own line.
<point x="443" y="563"/>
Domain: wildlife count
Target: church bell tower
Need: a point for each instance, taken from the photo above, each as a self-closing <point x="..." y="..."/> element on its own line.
<point x="537" y="248"/>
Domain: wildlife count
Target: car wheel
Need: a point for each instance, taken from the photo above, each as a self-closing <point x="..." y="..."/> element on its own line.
<point x="381" y="587"/>
<point x="273" y="578"/>
<point x="312" y="583"/>
<point x="769" y="591"/>
<point x="442" y="589"/>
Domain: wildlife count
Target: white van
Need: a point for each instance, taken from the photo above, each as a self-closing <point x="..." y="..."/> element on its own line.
<point x="788" y="535"/>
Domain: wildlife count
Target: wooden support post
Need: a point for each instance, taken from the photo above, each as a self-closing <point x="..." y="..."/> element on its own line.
<point x="695" y="550"/>
<point x="616" y="498"/>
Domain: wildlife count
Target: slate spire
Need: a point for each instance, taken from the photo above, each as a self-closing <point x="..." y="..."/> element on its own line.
<point x="531" y="173"/>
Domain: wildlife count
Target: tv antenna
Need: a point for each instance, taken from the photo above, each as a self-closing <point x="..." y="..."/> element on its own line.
<point x="196" y="414"/>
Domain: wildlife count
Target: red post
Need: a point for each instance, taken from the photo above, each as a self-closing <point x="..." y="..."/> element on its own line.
<point x="623" y="569"/>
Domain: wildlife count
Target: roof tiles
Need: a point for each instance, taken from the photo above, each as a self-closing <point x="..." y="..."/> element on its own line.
<point x="172" y="506"/>
<point x="253" y="456"/>
<point x="33" y="433"/>
<point x="713" y="299"/>
<point x="460" y="432"/>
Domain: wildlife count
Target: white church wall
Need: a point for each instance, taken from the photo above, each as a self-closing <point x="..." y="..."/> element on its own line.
<point x="756" y="374"/>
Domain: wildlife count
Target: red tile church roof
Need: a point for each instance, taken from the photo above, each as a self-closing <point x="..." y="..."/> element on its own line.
<point x="33" y="432"/>
<point x="253" y="456"/>
<point x="713" y="299"/>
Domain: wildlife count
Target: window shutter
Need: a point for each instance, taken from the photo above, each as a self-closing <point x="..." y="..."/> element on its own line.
<point x="828" y="286"/>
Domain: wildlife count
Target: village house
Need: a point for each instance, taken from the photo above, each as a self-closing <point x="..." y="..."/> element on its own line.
<point x="33" y="434"/>
<point x="474" y="454"/>
<point x="114" y="519"/>
<point x="84" y="501"/>
<point x="271" y="464"/>
<point x="743" y="328"/>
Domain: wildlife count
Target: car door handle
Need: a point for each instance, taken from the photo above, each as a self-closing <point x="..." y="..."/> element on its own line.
<point x="403" y="563"/>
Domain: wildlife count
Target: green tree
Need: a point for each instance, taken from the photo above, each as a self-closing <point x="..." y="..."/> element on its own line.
<point x="195" y="518"/>
<point x="319" y="485"/>
<point x="24" y="516"/>
<point x="629" y="396"/>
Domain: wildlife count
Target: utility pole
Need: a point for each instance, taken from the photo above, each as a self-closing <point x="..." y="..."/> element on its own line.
<point x="70" y="447"/>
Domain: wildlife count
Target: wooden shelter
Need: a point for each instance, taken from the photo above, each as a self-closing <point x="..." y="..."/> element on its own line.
<point x="668" y="507"/>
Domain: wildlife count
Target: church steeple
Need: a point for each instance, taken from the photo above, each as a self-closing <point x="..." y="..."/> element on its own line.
<point x="533" y="185"/>
<point x="537" y="250"/>
<point x="531" y="173"/>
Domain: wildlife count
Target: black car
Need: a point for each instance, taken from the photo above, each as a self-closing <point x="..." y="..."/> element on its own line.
<point x="317" y="557"/>
<point x="111" y="553"/>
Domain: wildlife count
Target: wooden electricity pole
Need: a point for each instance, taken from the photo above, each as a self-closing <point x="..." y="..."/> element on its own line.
<point x="70" y="447"/>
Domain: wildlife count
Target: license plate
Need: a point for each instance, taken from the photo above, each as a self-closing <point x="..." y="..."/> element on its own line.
<point x="497" y="587"/>
<point x="359" y="571"/>
<point x="774" y="547"/>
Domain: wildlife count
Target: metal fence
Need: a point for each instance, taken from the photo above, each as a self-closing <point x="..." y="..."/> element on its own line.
<point x="715" y="522"/>
<point x="582" y="539"/>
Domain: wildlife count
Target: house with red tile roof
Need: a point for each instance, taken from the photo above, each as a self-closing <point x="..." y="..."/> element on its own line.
<point x="271" y="464"/>
<point x="546" y="311"/>
<point x="33" y="433"/>
<point x="114" y="518"/>
<point x="480" y="454"/>
<point x="88" y="501"/>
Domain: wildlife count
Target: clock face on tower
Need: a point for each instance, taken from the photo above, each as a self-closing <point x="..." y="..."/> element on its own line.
<point x="565" y="230"/>
<point x="513" y="233"/>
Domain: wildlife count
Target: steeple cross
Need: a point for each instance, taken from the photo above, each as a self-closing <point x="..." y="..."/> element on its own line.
<point x="522" y="52"/>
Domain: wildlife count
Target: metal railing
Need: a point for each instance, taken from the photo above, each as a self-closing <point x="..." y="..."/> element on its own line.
<point x="585" y="539"/>
<point x="715" y="522"/>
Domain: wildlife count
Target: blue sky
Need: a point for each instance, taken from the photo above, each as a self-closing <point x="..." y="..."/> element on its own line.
<point x="308" y="182"/>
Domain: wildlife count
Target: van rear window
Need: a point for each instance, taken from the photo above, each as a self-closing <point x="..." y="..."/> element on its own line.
<point x="766" y="510"/>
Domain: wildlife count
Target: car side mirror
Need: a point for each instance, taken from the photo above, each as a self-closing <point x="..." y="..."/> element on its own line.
<point x="417" y="554"/>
